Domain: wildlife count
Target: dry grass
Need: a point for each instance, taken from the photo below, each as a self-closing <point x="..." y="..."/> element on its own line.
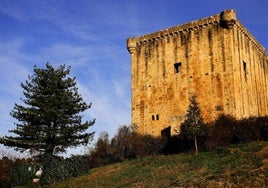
<point x="235" y="163"/>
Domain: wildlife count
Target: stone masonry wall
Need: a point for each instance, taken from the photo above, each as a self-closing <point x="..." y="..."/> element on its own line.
<point x="215" y="58"/>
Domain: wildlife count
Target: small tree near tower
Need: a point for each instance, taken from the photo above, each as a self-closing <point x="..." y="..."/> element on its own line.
<point x="193" y="126"/>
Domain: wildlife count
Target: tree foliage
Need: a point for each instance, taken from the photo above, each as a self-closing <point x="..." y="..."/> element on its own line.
<point x="126" y="144"/>
<point x="193" y="126"/>
<point x="101" y="154"/>
<point x="50" y="120"/>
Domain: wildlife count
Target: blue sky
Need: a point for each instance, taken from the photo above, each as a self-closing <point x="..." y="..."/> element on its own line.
<point x="90" y="36"/>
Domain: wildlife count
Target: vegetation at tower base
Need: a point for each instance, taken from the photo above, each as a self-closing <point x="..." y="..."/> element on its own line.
<point x="125" y="145"/>
<point x="21" y="172"/>
<point x="219" y="162"/>
<point x="193" y="126"/>
<point x="240" y="165"/>
<point x="50" y="120"/>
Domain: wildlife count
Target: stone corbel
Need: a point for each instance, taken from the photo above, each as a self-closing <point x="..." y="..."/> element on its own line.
<point x="228" y="19"/>
<point x="131" y="45"/>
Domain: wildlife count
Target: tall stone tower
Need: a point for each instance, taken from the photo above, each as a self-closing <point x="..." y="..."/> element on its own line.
<point x="214" y="58"/>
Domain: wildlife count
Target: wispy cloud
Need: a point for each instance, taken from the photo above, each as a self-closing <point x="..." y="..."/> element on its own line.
<point x="69" y="54"/>
<point x="12" y="73"/>
<point x="109" y="112"/>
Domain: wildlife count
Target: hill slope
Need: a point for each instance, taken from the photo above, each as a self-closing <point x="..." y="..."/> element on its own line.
<point x="232" y="166"/>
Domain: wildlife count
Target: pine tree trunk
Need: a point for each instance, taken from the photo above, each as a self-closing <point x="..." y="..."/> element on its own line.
<point x="196" y="145"/>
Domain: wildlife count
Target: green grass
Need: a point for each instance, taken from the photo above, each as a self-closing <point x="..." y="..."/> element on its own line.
<point x="231" y="163"/>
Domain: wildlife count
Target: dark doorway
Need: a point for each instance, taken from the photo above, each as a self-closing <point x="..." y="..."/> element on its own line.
<point x="166" y="133"/>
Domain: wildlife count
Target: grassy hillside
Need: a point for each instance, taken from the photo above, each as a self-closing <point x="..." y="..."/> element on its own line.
<point x="243" y="165"/>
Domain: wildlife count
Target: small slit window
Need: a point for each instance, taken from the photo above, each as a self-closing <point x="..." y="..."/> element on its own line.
<point x="155" y="117"/>
<point x="177" y="67"/>
<point x="245" y="69"/>
<point x="244" y="66"/>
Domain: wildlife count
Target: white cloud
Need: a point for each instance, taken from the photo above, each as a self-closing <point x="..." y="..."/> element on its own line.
<point x="12" y="73"/>
<point x="69" y="54"/>
<point x="108" y="107"/>
<point x="14" y="67"/>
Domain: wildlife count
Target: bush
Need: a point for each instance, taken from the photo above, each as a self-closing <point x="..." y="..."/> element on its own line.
<point x="100" y="154"/>
<point x="247" y="130"/>
<point x="177" y="144"/>
<point x="16" y="173"/>
<point x="126" y="144"/>
<point x="221" y="131"/>
<point x="77" y="165"/>
<point x="5" y="172"/>
<point x="263" y="126"/>
<point x="57" y="169"/>
<point x="227" y="130"/>
<point x="150" y="145"/>
<point x="22" y="172"/>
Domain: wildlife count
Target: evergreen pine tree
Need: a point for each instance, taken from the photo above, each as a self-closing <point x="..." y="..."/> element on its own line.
<point x="193" y="126"/>
<point x="50" y="120"/>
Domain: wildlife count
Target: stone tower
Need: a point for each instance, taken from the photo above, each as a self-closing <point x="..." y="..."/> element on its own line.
<point x="214" y="58"/>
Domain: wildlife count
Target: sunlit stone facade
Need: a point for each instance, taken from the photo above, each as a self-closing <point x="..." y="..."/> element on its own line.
<point x="215" y="58"/>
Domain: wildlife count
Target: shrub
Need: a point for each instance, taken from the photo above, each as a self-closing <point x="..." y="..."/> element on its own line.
<point x="247" y="130"/>
<point x="100" y="154"/>
<point x="177" y="144"/>
<point x="221" y="131"/>
<point x="77" y="165"/>
<point x="57" y="169"/>
<point x="227" y="130"/>
<point x="263" y="126"/>
<point x="5" y="172"/>
<point x="123" y="144"/>
<point x="22" y="172"/>
<point x="16" y="172"/>
<point x="150" y="145"/>
<point x="126" y="144"/>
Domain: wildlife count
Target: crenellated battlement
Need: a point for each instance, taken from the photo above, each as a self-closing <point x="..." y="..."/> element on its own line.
<point x="226" y="19"/>
<point x="194" y="25"/>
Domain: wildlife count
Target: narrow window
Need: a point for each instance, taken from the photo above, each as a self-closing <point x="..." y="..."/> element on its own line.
<point x="153" y="117"/>
<point x="245" y="69"/>
<point x="177" y="67"/>
<point x="157" y="117"/>
<point x="244" y="66"/>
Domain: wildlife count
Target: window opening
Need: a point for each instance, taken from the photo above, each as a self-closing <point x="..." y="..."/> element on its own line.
<point x="177" y="67"/>
<point x="245" y="69"/>
<point x="245" y="66"/>
<point x="157" y="117"/>
<point x="218" y="108"/>
<point x="153" y="117"/>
